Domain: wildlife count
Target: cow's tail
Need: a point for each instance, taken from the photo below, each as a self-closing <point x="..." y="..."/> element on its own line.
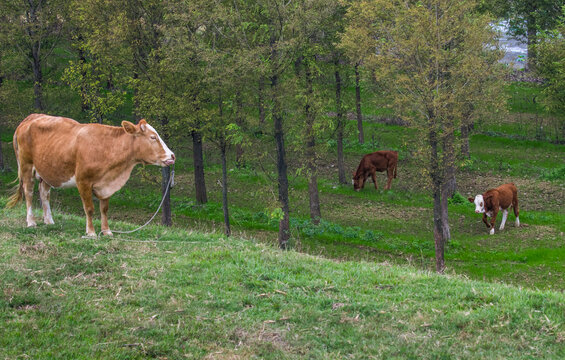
<point x="395" y="163"/>
<point x="18" y="190"/>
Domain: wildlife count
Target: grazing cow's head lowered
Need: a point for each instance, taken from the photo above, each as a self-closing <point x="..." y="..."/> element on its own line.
<point x="358" y="181"/>
<point x="149" y="147"/>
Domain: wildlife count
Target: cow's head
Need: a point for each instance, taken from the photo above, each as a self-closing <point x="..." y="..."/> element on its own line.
<point x="358" y="181"/>
<point x="479" y="203"/>
<point x="149" y="147"/>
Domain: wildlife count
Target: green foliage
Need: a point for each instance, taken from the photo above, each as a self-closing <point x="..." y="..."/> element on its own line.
<point x="555" y="174"/>
<point x="457" y="198"/>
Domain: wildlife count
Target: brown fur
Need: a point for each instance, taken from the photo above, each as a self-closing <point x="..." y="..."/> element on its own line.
<point x="99" y="157"/>
<point x="371" y="163"/>
<point x="499" y="198"/>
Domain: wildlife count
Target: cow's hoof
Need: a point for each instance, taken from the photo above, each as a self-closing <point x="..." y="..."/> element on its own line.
<point x="48" y="221"/>
<point x="31" y="223"/>
<point x="107" y="233"/>
<point x="492" y="231"/>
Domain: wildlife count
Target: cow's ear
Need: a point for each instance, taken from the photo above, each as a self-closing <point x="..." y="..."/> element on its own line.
<point x="129" y="127"/>
<point x="471" y="200"/>
<point x="142" y="124"/>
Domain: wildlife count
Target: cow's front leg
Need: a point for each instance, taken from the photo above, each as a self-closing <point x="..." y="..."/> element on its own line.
<point x="389" y="173"/>
<point x="85" y="191"/>
<point x="493" y="221"/>
<point x="44" y="194"/>
<point x="104" y="204"/>
<point x="374" y="177"/>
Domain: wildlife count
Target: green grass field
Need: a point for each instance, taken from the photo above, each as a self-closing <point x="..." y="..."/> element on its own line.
<point x="173" y="294"/>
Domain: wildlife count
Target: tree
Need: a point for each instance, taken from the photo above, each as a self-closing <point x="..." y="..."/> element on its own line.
<point x="422" y="49"/>
<point x="35" y="28"/>
<point x="526" y="18"/>
<point x="551" y="60"/>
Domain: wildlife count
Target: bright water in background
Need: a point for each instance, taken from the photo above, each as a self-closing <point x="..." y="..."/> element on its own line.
<point x="516" y="50"/>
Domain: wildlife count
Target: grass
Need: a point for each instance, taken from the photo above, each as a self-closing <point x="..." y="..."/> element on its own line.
<point x="178" y="294"/>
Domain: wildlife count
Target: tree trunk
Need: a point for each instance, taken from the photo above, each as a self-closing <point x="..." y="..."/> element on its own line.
<point x="438" y="229"/>
<point x="440" y="208"/>
<point x="83" y="91"/>
<point x="358" y="105"/>
<point x="239" y="122"/>
<point x="2" y="165"/>
<point x="166" y="218"/>
<point x="340" y="125"/>
<point x="227" y="229"/>
<point x="261" y="101"/>
<point x="37" y="76"/>
<point x="223" y="146"/>
<point x="315" y="212"/>
<point x="465" y="132"/>
<point x="284" y="224"/>
<point x="199" y="181"/>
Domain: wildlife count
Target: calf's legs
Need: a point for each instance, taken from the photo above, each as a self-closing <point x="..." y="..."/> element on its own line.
<point x="44" y="194"/>
<point x="104" y="203"/>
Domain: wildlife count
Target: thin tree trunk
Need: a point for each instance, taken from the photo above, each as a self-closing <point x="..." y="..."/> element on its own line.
<point x="261" y="101"/>
<point x="37" y="76"/>
<point x="2" y="165"/>
<point x="440" y="209"/>
<point x="358" y="105"/>
<point x="315" y="212"/>
<point x="83" y="91"/>
<point x="166" y="217"/>
<point x="465" y="130"/>
<point x="223" y="146"/>
<point x="227" y="229"/>
<point x="284" y="224"/>
<point x="199" y="180"/>
<point x="340" y="125"/>
<point x="438" y="230"/>
<point x="239" y="122"/>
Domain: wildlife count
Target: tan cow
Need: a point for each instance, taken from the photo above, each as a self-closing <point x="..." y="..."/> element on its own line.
<point x="493" y="200"/>
<point x="97" y="159"/>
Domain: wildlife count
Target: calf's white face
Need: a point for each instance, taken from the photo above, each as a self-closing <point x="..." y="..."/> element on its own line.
<point x="479" y="204"/>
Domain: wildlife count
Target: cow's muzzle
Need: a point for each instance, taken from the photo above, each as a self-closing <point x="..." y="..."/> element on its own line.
<point x="170" y="161"/>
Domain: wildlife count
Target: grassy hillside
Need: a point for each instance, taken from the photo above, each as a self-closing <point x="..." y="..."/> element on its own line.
<point x="172" y="294"/>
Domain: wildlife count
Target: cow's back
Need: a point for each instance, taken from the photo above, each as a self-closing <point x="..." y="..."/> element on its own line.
<point x="506" y="193"/>
<point x="48" y="143"/>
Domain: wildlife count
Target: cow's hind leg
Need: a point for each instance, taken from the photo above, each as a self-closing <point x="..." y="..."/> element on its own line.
<point x="390" y="174"/>
<point x="85" y="191"/>
<point x="104" y="204"/>
<point x="504" y="216"/>
<point x="26" y="177"/>
<point x="44" y="194"/>
<point x="516" y="210"/>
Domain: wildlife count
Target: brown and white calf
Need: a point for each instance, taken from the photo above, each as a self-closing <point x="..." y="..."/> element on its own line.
<point x="97" y="159"/>
<point x="494" y="200"/>
<point x="371" y="163"/>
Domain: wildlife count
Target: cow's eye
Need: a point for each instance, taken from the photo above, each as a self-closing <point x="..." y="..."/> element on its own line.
<point x="153" y="137"/>
<point x="481" y="204"/>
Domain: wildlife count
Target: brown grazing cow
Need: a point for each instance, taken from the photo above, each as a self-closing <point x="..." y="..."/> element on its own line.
<point x="377" y="161"/>
<point x="97" y="159"/>
<point x="494" y="200"/>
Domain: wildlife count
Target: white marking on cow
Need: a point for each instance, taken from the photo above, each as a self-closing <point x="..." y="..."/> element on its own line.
<point x="168" y="153"/>
<point x="479" y="204"/>
<point x="72" y="182"/>
<point x="492" y="231"/>
<point x="29" y="218"/>
<point x="518" y="221"/>
<point x="504" y="216"/>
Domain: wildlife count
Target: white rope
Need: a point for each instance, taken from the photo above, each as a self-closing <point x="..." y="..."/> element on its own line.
<point x="169" y="185"/>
